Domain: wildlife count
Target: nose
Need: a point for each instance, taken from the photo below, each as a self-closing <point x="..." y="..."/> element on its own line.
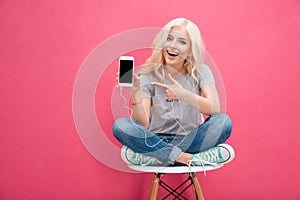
<point x="173" y="44"/>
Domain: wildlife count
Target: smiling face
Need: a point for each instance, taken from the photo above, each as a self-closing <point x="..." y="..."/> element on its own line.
<point x="177" y="47"/>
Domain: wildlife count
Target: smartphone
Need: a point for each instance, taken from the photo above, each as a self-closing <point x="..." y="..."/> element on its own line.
<point x="126" y="70"/>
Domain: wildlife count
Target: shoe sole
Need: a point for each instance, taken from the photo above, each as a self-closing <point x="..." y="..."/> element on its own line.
<point x="124" y="156"/>
<point x="230" y="150"/>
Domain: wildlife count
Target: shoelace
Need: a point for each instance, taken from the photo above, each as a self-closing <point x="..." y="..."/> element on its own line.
<point x="200" y="161"/>
<point x="140" y="157"/>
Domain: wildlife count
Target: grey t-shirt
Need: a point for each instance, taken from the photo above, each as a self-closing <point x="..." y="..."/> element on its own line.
<point x="174" y="117"/>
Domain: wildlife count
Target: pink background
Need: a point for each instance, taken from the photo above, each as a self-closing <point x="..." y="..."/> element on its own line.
<point x="254" y="43"/>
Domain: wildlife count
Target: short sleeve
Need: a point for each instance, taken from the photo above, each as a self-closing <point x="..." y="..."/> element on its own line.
<point x="146" y="86"/>
<point x="206" y="76"/>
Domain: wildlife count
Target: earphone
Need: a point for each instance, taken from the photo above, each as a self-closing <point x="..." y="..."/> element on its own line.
<point x="131" y="111"/>
<point x="172" y="102"/>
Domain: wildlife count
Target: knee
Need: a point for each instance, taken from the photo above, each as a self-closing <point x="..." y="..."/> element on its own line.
<point x="226" y="122"/>
<point x="118" y="127"/>
<point x="227" y="125"/>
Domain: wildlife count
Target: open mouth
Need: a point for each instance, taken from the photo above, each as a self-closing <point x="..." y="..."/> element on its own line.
<point x="170" y="53"/>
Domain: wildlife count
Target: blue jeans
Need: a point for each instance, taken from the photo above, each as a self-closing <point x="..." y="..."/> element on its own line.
<point x="165" y="147"/>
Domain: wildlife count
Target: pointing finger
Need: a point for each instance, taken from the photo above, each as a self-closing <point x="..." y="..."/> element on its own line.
<point x="159" y="84"/>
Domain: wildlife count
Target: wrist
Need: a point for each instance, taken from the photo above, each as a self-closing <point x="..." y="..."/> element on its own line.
<point x="181" y="94"/>
<point x="185" y="95"/>
<point x="135" y="96"/>
<point x="136" y="102"/>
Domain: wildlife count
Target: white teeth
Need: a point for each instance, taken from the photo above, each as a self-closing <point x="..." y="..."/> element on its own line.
<point x="172" y="53"/>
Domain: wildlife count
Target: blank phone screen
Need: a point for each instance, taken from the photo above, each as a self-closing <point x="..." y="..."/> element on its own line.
<point x="126" y="70"/>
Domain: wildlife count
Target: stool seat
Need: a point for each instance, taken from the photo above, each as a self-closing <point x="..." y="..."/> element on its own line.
<point x="174" y="169"/>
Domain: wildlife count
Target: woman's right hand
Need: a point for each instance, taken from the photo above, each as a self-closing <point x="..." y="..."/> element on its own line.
<point x="135" y="79"/>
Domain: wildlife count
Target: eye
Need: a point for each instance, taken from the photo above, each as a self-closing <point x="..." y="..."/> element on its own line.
<point x="182" y="42"/>
<point x="169" y="38"/>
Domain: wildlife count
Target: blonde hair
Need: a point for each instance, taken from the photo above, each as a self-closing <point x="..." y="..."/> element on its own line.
<point x="192" y="65"/>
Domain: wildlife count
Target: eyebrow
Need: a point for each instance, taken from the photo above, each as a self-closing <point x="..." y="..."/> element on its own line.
<point x="182" y="38"/>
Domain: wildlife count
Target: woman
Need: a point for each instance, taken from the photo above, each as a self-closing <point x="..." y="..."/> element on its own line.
<point x="170" y="94"/>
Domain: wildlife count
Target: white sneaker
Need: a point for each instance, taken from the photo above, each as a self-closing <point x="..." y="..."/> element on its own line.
<point x="132" y="158"/>
<point x="221" y="154"/>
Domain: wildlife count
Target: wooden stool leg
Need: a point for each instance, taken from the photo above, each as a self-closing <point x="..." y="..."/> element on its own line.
<point x="197" y="189"/>
<point x="154" y="187"/>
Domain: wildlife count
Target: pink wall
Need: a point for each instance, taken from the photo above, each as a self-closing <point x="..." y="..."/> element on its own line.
<point x="254" y="43"/>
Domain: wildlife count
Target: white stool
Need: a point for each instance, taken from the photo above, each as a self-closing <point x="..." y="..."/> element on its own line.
<point x="158" y="170"/>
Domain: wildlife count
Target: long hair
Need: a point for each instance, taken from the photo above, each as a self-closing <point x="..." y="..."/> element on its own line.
<point x="191" y="65"/>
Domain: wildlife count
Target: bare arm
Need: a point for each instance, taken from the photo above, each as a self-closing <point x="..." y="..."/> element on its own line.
<point x="208" y="103"/>
<point x="140" y="106"/>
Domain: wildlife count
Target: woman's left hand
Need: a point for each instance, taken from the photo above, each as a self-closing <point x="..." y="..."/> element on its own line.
<point x="173" y="91"/>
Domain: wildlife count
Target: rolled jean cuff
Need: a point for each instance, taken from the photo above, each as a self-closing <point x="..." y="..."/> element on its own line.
<point x="174" y="155"/>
